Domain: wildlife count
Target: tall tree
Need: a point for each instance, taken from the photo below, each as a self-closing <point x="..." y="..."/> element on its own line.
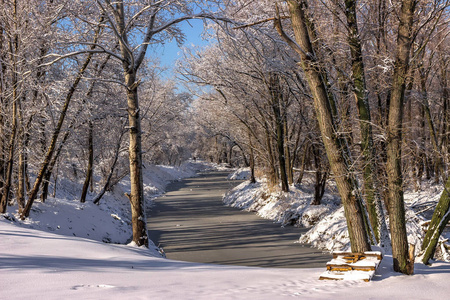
<point x="372" y="195"/>
<point x="337" y="151"/>
<point x="396" y="206"/>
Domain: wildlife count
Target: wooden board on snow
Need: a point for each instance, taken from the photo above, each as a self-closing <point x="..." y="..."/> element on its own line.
<point x="352" y="266"/>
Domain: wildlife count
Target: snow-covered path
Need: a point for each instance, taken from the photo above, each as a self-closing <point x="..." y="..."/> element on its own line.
<point x="191" y="223"/>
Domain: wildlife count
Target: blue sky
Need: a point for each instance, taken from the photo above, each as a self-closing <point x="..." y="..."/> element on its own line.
<point x="170" y="52"/>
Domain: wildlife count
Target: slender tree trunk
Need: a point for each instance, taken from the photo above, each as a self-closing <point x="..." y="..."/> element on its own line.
<point x="252" y="159"/>
<point x="440" y="219"/>
<point x="433" y="136"/>
<point x="2" y="106"/>
<point x="9" y="164"/>
<point x="305" y="158"/>
<point x="274" y="87"/>
<point x="287" y="153"/>
<point x="111" y="171"/>
<point x="87" y="181"/>
<point x="272" y="169"/>
<point x="338" y="154"/>
<point x="13" y="53"/>
<point x="321" y="175"/>
<point x="397" y="221"/>
<point x="22" y="161"/>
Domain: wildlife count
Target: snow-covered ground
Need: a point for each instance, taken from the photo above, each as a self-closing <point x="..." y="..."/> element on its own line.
<point x="58" y="254"/>
<point x="37" y="264"/>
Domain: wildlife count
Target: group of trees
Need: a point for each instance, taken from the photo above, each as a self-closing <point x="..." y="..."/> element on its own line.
<point x="352" y="90"/>
<point x="362" y="82"/>
<point x="70" y="76"/>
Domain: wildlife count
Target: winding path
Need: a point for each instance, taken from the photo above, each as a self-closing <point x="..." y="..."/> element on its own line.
<point x="191" y="224"/>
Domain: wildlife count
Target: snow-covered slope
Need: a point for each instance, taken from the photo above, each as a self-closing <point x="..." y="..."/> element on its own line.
<point x="110" y="220"/>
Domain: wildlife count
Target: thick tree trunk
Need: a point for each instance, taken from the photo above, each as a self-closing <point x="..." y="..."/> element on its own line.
<point x="440" y="219"/>
<point x="136" y="197"/>
<point x="338" y="154"/>
<point x="87" y="180"/>
<point x="394" y="142"/>
<point x="373" y="198"/>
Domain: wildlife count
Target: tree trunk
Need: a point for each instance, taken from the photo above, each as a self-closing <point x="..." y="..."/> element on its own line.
<point x="433" y="136"/>
<point x="13" y="53"/>
<point x="252" y="159"/>
<point x="338" y="153"/>
<point x="305" y="158"/>
<point x="111" y="171"/>
<point x="136" y="197"/>
<point x="272" y="170"/>
<point x="321" y="175"/>
<point x="394" y="141"/>
<point x="22" y="161"/>
<point x="373" y="198"/>
<point x="87" y="180"/>
<point x="287" y="154"/>
<point x="9" y="164"/>
<point x="440" y="219"/>
<point x="275" y="94"/>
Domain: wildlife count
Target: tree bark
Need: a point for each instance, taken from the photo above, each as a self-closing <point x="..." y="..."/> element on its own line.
<point x="9" y="164"/>
<point x="13" y="53"/>
<point x="275" y="94"/>
<point x="136" y="196"/>
<point x="252" y="158"/>
<point x="87" y="180"/>
<point x="394" y="141"/>
<point x="372" y="196"/>
<point x="440" y="219"/>
<point x="338" y="154"/>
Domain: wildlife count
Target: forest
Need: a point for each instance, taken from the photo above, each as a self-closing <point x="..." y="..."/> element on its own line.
<point x="352" y="92"/>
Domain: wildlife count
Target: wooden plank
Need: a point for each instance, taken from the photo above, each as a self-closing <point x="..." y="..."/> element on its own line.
<point x="349" y="275"/>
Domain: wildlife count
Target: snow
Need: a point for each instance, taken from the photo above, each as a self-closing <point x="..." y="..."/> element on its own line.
<point x="58" y="253"/>
<point x="293" y="208"/>
<point x="37" y="264"/>
<point x="240" y="174"/>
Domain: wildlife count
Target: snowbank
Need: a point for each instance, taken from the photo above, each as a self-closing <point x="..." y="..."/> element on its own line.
<point x="329" y="227"/>
<point x="240" y="174"/>
<point x="293" y="208"/>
